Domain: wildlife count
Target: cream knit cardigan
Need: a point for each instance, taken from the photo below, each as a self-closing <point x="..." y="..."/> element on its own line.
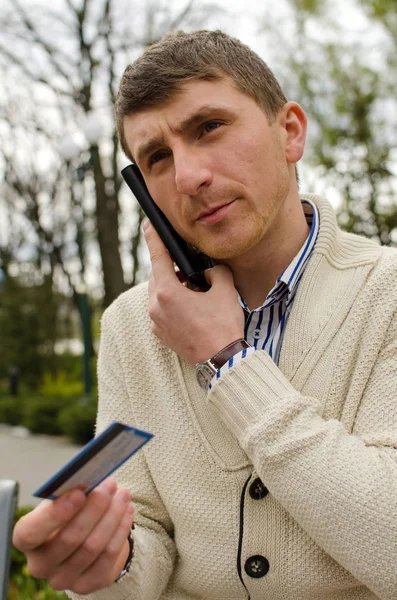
<point x="320" y="431"/>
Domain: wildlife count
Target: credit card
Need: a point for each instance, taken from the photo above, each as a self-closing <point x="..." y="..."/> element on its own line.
<point x="95" y="461"/>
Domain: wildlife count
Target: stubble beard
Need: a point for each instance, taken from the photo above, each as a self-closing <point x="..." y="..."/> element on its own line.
<point x="227" y="240"/>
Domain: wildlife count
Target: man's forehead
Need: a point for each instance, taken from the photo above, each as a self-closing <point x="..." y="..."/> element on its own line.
<point x="189" y="94"/>
<point x="192" y="98"/>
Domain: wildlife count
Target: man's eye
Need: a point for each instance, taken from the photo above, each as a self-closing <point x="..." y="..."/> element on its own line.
<point x="157" y="156"/>
<point x="211" y="126"/>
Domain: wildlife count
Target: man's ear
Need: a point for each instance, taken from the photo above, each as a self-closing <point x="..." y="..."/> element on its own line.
<point x="292" y="119"/>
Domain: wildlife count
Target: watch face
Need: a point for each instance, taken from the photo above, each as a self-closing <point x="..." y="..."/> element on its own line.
<point x="204" y="374"/>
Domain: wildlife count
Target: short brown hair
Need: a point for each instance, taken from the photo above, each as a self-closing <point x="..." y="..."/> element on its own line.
<point x="157" y="75"/>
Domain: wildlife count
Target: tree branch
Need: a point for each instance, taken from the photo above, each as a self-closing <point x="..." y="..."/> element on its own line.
<point x="49" y="50"/>
<point x="32" y="76"/>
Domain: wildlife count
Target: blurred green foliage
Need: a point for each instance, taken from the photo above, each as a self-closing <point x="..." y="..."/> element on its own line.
<point x="22" y="585"/>
<point x="72" y="416"/>
<point x="11" y="410"/>
<point x="29" y="327"/>
<point x="63" y="384"/>
<point x="41" y="414"/>
<point x="77" y="421"/>
<point x="347" y="87"/>
<point x="49" y="398"/>
<point x="37" y="325"/>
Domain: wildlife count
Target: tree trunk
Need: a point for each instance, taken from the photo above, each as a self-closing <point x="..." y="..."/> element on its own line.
<point x="107" y="220"/>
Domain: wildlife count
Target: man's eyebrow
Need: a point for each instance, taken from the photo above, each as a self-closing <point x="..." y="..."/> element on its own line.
<point x="148" y="147"/>
<point x="204" y="112"/>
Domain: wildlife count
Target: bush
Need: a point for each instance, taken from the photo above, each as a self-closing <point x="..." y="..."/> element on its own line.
<point x="22" y="585"/>
<point x="61" y="385"/>
<point x="73" y="416"/>
<point x="41" y="415"/>
<point x="26" y="588"/>
<point x="11" y="410"/>
<point x="78" y="421"/>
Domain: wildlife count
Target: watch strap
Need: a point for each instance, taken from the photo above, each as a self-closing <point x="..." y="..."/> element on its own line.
<point x="228" y="351"/>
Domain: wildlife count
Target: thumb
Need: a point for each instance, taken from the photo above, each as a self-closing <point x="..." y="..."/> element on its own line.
<point x="220" y="275"/>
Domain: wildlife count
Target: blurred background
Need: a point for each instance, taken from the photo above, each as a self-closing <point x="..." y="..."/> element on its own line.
<point x="70" y="237"/>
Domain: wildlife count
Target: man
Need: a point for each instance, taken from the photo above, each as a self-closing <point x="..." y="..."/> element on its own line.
<point x="277" y="478"/>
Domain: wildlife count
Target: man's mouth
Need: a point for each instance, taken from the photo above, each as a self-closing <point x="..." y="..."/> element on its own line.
<point x="213" y="214"/>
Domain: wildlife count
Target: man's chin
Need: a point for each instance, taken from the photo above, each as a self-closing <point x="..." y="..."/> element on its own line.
<point x="226" y="252"/>
<point x="228" y="243"/>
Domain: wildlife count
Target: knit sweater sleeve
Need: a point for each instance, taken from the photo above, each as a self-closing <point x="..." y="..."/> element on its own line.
<point x="340" y="486"/>
<point x="154" y="547"/>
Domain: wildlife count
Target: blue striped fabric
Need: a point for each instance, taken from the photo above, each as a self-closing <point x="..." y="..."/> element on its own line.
<point x="265" y="325"/>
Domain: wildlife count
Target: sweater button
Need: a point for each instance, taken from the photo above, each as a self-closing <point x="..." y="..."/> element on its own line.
<point x="256" y="566"/>
<point x="257" y="490"/>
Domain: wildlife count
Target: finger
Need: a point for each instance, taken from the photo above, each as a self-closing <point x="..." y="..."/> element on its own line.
<point x="35" y="528"/>
<point x="43" y="560"/>
<point x="162" y="263"/>
<point x="105" y="570"/>
<point x="181" y="276"/>
<point x="95" y="543"/>
<point x="219" y="275"/>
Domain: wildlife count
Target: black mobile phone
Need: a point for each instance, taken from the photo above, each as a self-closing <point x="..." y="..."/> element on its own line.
<point x="189" y="260"/>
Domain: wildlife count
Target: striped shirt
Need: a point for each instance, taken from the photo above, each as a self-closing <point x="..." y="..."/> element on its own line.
<point x="265" y="325"/>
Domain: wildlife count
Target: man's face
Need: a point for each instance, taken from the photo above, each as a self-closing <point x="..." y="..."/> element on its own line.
<point x="214" y="165"/>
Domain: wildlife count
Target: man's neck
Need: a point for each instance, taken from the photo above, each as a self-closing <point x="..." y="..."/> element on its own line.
<point x="256" y="272"/>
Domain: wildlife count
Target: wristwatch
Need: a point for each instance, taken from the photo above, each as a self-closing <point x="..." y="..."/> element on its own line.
<point x="207" y="369"/>
<point x="129" y="558"/>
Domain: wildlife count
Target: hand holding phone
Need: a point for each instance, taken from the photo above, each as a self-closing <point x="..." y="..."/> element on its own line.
<point x="189" y="260"/>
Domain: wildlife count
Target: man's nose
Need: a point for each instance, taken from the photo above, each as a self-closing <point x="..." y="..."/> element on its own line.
<point x="191" y="173"/>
